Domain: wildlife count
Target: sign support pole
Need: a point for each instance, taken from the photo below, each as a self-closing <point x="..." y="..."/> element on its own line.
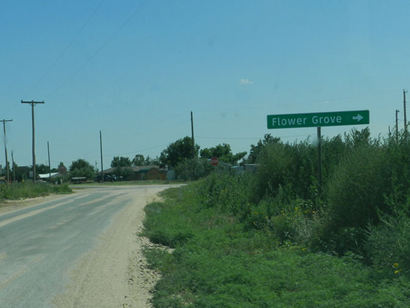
<point x="319" y="152"/>
<point x="318" y="120"/>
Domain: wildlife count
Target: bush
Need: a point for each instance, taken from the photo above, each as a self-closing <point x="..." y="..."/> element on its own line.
<point x="193" y="169"/>
<point x="225" y="265"/>
<point x="388" y="244"/>
<point x="289" y="167"/>
<point x="17" y="191"/>
<point x="228" y="192"/>
<point x="355" y="197"/>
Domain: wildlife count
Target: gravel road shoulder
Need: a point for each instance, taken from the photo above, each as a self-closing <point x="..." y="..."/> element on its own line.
<point x="115" y="272"/>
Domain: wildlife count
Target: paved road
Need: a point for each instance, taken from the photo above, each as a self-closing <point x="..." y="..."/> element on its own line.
<point x="40" y="244"/>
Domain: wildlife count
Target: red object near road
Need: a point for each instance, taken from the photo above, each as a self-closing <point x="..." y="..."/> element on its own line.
<point x="214" y="161"/>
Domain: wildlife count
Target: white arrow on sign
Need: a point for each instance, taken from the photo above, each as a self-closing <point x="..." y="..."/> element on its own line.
<point x="358" y="118"/>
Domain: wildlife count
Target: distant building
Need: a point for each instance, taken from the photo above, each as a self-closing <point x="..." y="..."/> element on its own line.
<point x="45" y="176"/>
<point x="138" y="173"/>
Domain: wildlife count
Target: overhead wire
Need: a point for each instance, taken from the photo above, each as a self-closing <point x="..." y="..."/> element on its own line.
<point x="70" y="44"/>
<point x="104" y="44"/>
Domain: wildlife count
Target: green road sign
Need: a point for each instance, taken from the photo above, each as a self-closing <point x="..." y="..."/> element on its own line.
<point x="318" y="119"/>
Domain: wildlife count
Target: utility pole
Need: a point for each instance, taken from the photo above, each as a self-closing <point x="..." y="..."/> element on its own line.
<point x="405" y="112"/>
<point x="397" y="125"/>
<point x="33" y="103"/>
<point x="192" y="133"/>
<point x="49" y="164"/>
<point x="5" y="149"/>
<point x="101" y="153"/>
<point x="14" y="168"/>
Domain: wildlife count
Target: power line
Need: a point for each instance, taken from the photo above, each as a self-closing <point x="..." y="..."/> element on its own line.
<point x="69" y="45"/>
<point x="105" y="43"/>
<point x="248" y="138"/>
<point x="139" y="151"/>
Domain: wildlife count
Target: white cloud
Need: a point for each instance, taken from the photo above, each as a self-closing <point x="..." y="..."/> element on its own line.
<point x="245" y="82"/>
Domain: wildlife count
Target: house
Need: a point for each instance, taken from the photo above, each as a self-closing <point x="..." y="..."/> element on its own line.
<point x="137" y="173"/>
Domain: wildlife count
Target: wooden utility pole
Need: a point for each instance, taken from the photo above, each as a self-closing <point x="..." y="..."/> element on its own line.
<point x="32" y="103"/>
<point x="101" y="153"/>
<point x="405" y="112"/>
<point x="397" y="125"/>
<point x="49" y="164"/>
<point x="192" y="133"/>
<point x="14" y="168"/>
<point x="5" y="149"/>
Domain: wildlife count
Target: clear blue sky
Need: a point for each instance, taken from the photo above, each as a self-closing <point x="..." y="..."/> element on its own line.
<point x="135" y="70"/>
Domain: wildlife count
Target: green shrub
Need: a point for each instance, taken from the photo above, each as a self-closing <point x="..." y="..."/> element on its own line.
<point x="193" y="169"/>
<point x="29" y="190"/>
<point x="174" y="234"/>
<point x="388" y="244"/>
<point x="290" y="167"/>
<point x="229" y="192"/>
<point x="358" y="187"/>
<point x="274" y="171"/>
<point x="226" y="265"/>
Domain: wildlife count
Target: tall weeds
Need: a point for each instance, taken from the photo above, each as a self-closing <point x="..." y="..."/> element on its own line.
<point x="365" y="184"/>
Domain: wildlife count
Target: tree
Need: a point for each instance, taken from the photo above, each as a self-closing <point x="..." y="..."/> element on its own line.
<point x="151" y="161"/>
<point x="119" y="161"/>
<point x="178" y="151"/>
<point x="82" y="168"/>
<point x="22" y="173"/>
<point x="138" y="160"/>
<point x="224" y="153"/>
<point x="123" y="173"/>
<point x="42" y="169"/>
<point x="193" y="169"/>
<point x="61" y="168"/>
<point x="257" y="149"/>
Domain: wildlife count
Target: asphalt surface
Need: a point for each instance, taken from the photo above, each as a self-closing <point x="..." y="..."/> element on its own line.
<point x="39" y="244"/>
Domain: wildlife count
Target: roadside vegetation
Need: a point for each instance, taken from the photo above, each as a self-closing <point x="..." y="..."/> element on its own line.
<point x="16" y="191"/>
<point x="274" y="238"/>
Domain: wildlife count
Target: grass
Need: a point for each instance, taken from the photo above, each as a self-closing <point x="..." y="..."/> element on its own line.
<point x="18" y="191"/>
<point x="219" y="262"/>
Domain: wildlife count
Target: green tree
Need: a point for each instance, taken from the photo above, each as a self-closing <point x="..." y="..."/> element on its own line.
<point x="178" y="151"/>
<point x="119" y="161"/>
<point x="61" y="168"/>
<point x="193" y="169"/>
<point x="42" y="169"/>
<point x="82" y="168"/>
<point x="151" y="161"/>
<point x="138" y="160"/>
<point x="123" y="173"/>
<point x="224" y="153"/>
<point x="256" y="150"/>
<point x="22" y="173"/>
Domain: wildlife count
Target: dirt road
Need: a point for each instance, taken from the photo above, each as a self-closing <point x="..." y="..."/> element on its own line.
<point x="80" y="250"/>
